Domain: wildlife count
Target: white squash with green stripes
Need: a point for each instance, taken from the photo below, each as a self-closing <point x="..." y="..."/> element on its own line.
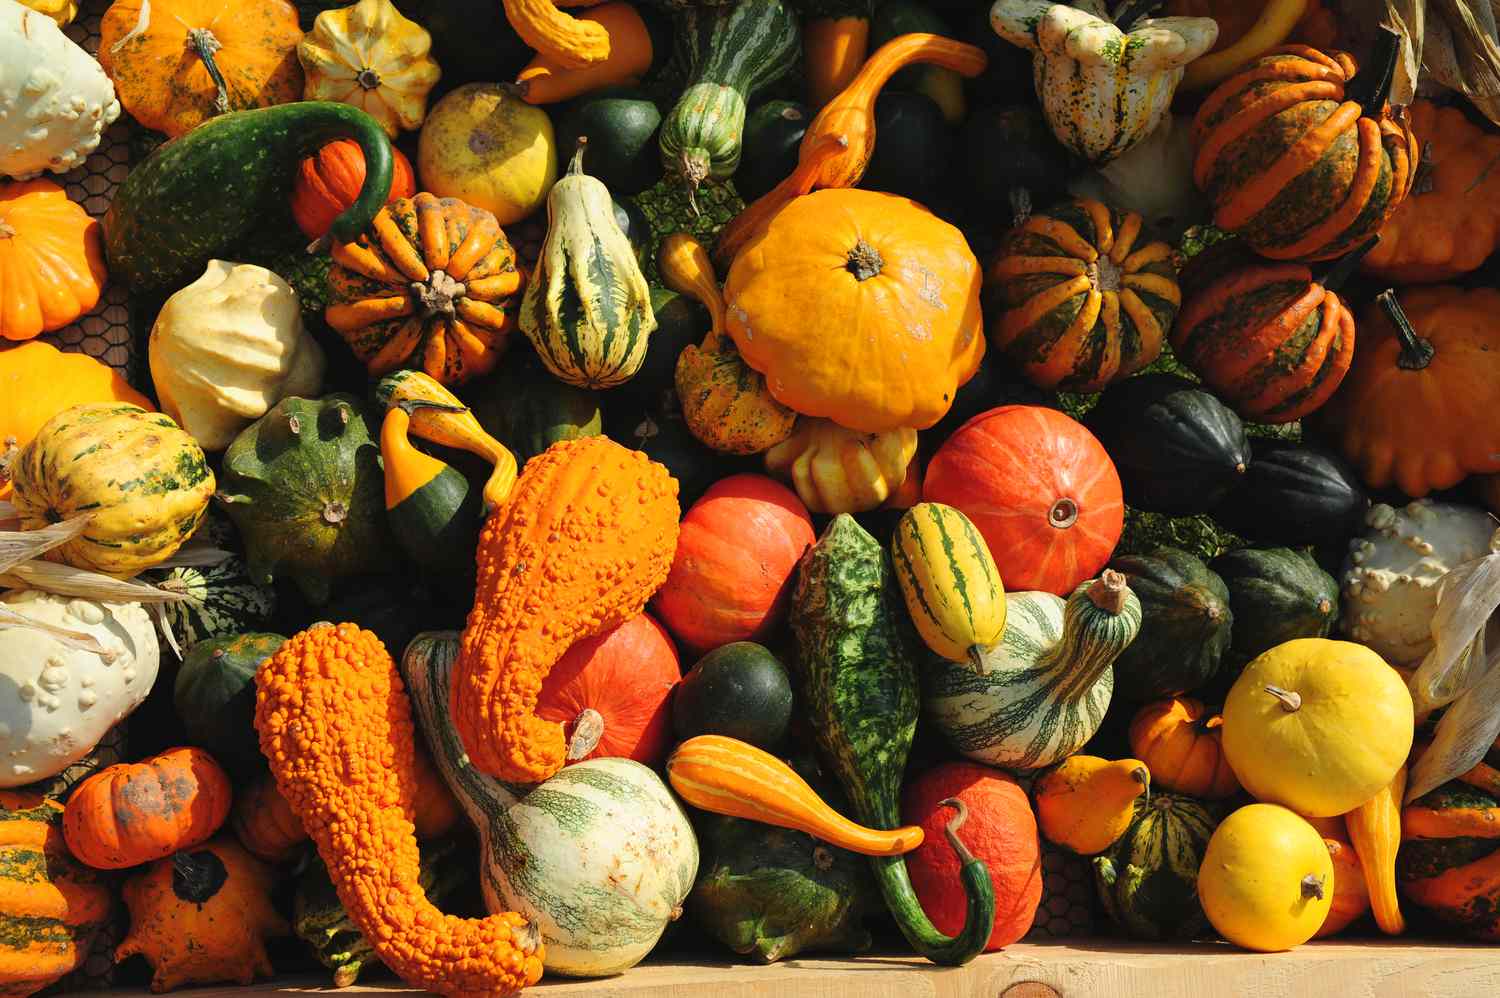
<point x="600" y="857"/>
<point x="949" y="581"/>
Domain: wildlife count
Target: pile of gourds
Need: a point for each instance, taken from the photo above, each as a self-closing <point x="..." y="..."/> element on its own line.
<point x="1030" y="370"/>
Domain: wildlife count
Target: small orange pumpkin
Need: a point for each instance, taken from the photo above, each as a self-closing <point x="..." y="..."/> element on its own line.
<point x="51" y="259"/>
<point x="330" y="179"/>
<point x="265" y="823"/>
<point x="1181" y="743"/>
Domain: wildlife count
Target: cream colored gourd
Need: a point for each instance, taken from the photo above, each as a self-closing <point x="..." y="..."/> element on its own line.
<point x="587" y="308"/>
<point x="64" y="696"/>
<point x="1104" y="87"/>
<point x="838" y="470"/>
<point x="369" y="56"/>
<point x="55" y="98"/>
<point x="227" y="348"/>
<point x="1392" y="574"/>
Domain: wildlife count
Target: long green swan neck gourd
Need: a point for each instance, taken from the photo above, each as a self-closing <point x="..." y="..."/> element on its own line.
<point x="195" y="198"/>
<point x="859" y="682"/>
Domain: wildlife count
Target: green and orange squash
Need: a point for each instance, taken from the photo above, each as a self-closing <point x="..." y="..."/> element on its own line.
<point x="1449" y="863"/>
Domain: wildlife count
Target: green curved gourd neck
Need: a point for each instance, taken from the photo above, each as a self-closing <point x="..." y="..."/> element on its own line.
<point x="321" y="122"/>
<point x="979" y="892"/>
<point x="1100" y="620"/>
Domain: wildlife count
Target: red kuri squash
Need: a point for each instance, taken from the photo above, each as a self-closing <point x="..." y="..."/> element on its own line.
<point x="330" y="179"/>
<point x="613" y="693"/>
<point x="1040" y="488"/>
<point x="1000" y="829"/>
<point x="736" y="556"/>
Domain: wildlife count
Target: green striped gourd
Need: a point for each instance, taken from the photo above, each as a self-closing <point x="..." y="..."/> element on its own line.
<point x="600" y="857"/>
<point x="587" y="307"/>
<point x="731" y="53"/>
<point x="949" y="580"/>
<point x="221" y="599"/>
<point x="859" y="687"/>
<point x="1043" y="690"/>
<point x="1449" y="861"/>
<point x="1148" y="880"/>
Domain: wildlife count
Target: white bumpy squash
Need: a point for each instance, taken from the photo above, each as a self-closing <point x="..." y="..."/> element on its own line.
<point x="57" y="699"/>
<point x="600" y="857"/>
<point x="55" y="101"/>
<point x="1104" y="85"/>
<point x="227" y="348"/>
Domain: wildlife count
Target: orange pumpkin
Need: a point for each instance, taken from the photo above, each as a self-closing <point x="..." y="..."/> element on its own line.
<point x="265" y="823"/>
<point x="177" y="63"/>
<point x="329" y="181"/>
<point x="51" y="259"/>
<point x="1181" y="742"/>
<point x="859" y="307"/>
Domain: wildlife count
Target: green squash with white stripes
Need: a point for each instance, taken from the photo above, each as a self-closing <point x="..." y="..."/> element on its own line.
<point x="221" y="599"/>
<point x="1041" y="693"/>
<point x="732" y="53"/>
<point x="1148" y="880"/>
<point x="949" y="581"/>
<point x="587" y="307"/>
<point x="600" y="857"/>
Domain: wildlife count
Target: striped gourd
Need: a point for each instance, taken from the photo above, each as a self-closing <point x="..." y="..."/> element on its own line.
<point x="1044" y="688"/>
<point x="949" y="580"/>
<point x="1076" y="300"/>
<point x="587" y="308"/>
<point x="221" y="599"/>
<point x="1449" y="861"/>
<point x="734" y="778"/>
<point x="1148" y="880"/>
<point x="600" y="856"/>
<point x="732" y="53"/>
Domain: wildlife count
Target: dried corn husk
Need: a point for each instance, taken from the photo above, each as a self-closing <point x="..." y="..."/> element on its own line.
<point x="17" y="546"/>
<point x="1456" y="44"/>
<point x="65" y="580"/>
<point x="72" y="639"/>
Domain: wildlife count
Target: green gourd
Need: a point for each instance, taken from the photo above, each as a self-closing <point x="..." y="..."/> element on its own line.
<point x="528" y="410"/>
<point x="214" y="694"/>
<point x="773" y="136"/>
<point x="739" y="690"/>
<point x="1148" y="880"/>
<point x="221" y="599"/>
<point x="1186" y="625"/>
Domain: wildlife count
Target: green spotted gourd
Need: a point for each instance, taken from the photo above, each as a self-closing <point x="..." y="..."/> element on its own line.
<point x="950" y="582"/>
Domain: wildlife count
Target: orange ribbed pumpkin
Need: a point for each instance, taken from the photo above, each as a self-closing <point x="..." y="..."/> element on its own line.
<point x="1180" y="742"/>
<point x="330" y="179"/>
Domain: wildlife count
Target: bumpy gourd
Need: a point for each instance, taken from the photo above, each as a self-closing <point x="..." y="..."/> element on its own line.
<point x="58" y="101"/>
<point x="585" y="539"/>
<point x="1391" y="576"/>
<point x="570" y="41"/>
<point x="332" y="695"/>
<point x="838" y="470"/>
<point x="369" y="56"/>
<point x="1104" y="85"/>
<point x="229" y="346"/>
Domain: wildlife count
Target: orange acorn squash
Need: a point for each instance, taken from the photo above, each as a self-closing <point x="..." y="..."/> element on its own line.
<point x="329" y="181"/>
<point x="1183" y="745"/>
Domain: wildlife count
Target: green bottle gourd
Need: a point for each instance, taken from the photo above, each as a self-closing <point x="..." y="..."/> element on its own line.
<point x="859" y="685"/>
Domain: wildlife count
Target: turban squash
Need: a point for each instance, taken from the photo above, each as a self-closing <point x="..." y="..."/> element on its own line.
<point x="859" y="307"/>
<point x="1299" y="161"/>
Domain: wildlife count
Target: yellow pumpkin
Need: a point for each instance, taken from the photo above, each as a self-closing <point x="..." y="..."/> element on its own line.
<point x="1320" y="726"/>
<point x="485" y="146"/>
<point x="369" y="56"/>
<point x="1266" y="882"/>
<point x="838" y="470"/>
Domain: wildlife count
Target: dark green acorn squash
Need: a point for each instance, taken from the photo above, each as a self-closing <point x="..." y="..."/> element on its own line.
<point x="1186" y="625"/>
<point x="1178" y="449"/>
<point x="915" y="150"/>
<point x="395" y="607"/>
<point x="1295" y="494"/>
<point x="740" y="690"/>
<point x="528" y="410"/>
<point x="1010" y="156"/>
<point x="680" y="320"/>
<point x="1148" y="880"/>
<point x="621" y="127"/>
<point x="773" y="139"/>
<point x="214" y="694"/>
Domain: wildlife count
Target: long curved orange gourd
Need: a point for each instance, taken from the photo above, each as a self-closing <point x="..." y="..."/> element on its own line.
<point x="1375" y="832"/>
<point x="849" y="121"/>
<point x="728" y="776"/>
<point x="586" y="537"/>
<point x="335" y="725"/>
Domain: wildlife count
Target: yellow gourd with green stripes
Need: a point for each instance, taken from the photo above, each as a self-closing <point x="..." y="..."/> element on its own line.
<point x="949" y="580"/>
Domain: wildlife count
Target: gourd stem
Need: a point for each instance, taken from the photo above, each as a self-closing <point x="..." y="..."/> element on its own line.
<point x="1340" y="270"/>
<point x="1372" y="86"/>
<point x="1109" y="593"/>
<point x="950" y="831"/>
<point x="1416" y="352"/>
<point x="1312" y="887"/>
<point x="368" y="78"/>
<point x="588" y="729"/>
<point x="1132" y="11"/>
<point x="575" y="167"/>
<point x="865" y="261"/>
<point x="1063" y="514"/>
<point x="410" y="406"/>
<point x="1291" y="700"/>
<point x="197" y="877"/>
<point x="1142" y="775"/>
<point x="204" y="45"/>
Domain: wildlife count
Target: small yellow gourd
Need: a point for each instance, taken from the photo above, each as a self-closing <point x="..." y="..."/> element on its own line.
<point x="371" y="57"/>
<point x="838" y="470"/>
<point x="1086" y="803"/>
<point x="949" y="581"/>
<point x="1266" y="882"/>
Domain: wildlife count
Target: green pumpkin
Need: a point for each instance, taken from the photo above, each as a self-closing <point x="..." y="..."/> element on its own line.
<point x="215" y="696"/>
<point x="739" y="690"/>
<point x="528" y="411"/>
<point x="773" y="140"/>
<point x="1296" y="494"/>
<point x="1148" y="880"/>
<point x="221" y="599"/>
<point x="303" y="484"/>
<point x="1276" y="595"/>
<point x="1186" y="624"/>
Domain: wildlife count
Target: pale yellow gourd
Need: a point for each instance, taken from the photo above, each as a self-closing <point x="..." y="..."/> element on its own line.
<point x="838" y="470"/>
<point x="371" y="57"/>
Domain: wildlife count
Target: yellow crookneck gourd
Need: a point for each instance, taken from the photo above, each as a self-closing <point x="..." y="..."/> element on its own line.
<point x="570" y="42"/>
<point x="1375" y="832"/>
<point x="724" y="402"/>
<point x="440" y="418"/>
<point x="1086" y="803"/>
<point x="838" y="470"/>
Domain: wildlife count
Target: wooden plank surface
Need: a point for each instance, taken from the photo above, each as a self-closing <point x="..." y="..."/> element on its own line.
<point x="1104" y="968"/>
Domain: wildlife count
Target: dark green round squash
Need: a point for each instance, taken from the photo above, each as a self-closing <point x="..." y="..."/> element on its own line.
<point x="214" y="694"/>
<point x="528" y="410"/>
<point x="621" y="126"/>
<point x="1148" y="880"/>
<point x="395" y="607"/>
<point x="1186" y="625"/>
<point x="739" y="690"/>
<point x="915" y="148"/>
<point x="1178" y="449"/>
<point x="773" y="138"/>
<point x="1007" y="150"/>
<point x="679" y="321"/>
<point x="1295" y="494"/>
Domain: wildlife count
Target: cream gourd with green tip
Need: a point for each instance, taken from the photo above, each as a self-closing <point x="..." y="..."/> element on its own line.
<point x="587" y="308"/>
<point x="949" y="581"/>
<point x="1316" y="725"/>
<point x="1266" y="882"/>
<point x="1041" y="693"/>
<point x="1104" y="84"/>
<point x="1392" y="573"/>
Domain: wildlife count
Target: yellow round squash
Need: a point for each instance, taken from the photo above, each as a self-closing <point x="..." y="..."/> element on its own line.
<point x="1320" y="726"/>
<point x="1266" y="882"/>
<point x="490" y="149"/>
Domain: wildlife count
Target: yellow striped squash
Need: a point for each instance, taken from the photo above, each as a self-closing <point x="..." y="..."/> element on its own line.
<point x="949" y="580"/>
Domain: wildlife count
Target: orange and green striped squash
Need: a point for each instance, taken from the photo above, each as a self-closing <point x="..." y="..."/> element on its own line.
<point x="1449" y="862"/>
<point x="1077" y="300"/>
<point x="949" y="581"/>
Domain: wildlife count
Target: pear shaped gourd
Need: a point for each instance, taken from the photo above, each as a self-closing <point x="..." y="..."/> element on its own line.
<point x="1086" y="803"/>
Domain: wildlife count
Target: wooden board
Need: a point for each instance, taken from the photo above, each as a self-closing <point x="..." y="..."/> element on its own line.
<point x="1104" y="968"/>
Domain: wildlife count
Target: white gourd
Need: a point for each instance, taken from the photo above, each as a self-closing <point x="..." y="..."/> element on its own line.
<point x="1103" y="89"/>
<point x="227" y="348"/>
<point x="57" y="700"/>
<point x="1154" y="179"/>
<point x="55" y="101"/>
<point x="1391" y="577"/>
